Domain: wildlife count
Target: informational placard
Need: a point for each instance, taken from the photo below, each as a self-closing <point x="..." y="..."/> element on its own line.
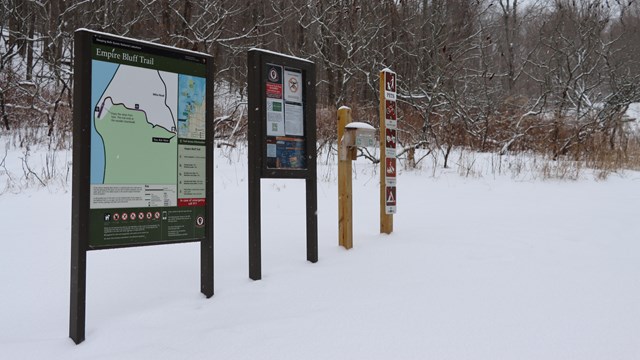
<point x="285" y="118"/>
<point x="143" y="171"/>
<point x="282" y="137"/>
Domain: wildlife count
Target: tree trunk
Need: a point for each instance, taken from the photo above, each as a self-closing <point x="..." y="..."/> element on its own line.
<point x="3" y="112"/>
<point x="29" y="70"/>
<point x="186" y="14"/>
<point x="411" y="158"/>
<point x="447" y="152"/>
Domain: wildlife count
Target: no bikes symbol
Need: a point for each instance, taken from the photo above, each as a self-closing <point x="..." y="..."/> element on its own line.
<point x="293" y="85"/>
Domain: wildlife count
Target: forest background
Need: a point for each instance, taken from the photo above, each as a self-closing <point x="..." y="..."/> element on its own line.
<point x="554" y="78"/>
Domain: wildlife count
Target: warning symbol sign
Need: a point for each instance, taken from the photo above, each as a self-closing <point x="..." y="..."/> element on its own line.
<point x="390" y="110"/>
<point x="390" y="200"/>
<point x="293" y="84"/>
<point x="390" y="171"/>
<point x="390" y="81"/>
<point x="390" y="140"/>
<point x="391" y="196"/>
<point x="293" y="88"/>
<point x="391" y="167"/>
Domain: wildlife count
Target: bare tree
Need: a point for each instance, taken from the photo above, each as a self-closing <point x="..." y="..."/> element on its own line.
<point x="494" y="75"/>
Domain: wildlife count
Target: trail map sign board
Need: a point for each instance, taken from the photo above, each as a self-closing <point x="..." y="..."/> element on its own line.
<point x="282" y="138"/>
<point x="143" y="172"/>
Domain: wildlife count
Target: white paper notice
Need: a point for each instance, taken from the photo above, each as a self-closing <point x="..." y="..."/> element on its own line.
<point x="272" y="150"/>
<point x="293" y="86"/>
<point x="275" y="117"/>
<point x="294" y="119"/>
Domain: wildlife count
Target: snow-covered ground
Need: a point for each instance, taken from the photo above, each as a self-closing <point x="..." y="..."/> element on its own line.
<point x="476" y="268"/>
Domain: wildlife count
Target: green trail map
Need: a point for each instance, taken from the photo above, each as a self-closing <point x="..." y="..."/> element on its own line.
<point x="148" y="146"/>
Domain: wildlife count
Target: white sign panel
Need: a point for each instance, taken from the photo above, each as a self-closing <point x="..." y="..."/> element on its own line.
<point x="293" y="86"/>
<point x="294" y="119"/>
<point x="275" y="117"/>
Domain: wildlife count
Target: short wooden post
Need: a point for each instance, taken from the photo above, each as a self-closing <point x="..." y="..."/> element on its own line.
<point x="345" y="199"/>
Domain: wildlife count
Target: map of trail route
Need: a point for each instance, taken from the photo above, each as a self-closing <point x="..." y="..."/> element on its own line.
<point x="191" y="107"/>
<point x="148" y="144"/>
<point x="136" y="121"/>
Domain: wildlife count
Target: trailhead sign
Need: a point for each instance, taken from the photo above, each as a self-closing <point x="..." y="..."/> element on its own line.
<point x="142" y="153"/>
<point x="148" y="146"/>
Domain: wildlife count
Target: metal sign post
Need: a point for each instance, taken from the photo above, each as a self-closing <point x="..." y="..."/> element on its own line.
<point x="388" y="142"/>
<point x="282" y="138"/>
<point x="142" y="154"/>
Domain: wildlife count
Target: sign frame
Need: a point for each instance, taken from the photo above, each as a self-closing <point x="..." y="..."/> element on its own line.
<point x="81" y="186"/>
<point x="257" y="62"/>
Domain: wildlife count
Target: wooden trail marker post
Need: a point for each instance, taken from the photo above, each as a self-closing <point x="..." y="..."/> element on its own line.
<point x="345" y="200"/>
<point x="388" y="141"/>
<point x="350" y="136"/>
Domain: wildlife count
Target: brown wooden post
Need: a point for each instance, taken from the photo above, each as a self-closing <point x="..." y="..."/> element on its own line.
<point x="345" y="199"/>
<point x="388" y="125"/>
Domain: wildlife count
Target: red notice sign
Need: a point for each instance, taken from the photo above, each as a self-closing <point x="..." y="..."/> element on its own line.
<point x="274" y="82"/>
<point x="390" y="110"/>
<point x="390" y="140"/>
<point x="391" y="167"/>
<point x="274" y="91"/>
<point x="191" y="202"/>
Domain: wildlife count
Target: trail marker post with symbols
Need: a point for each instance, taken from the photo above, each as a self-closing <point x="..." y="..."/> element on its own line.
<point x="388" y="142"/>
<point x="282" y="139"/>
